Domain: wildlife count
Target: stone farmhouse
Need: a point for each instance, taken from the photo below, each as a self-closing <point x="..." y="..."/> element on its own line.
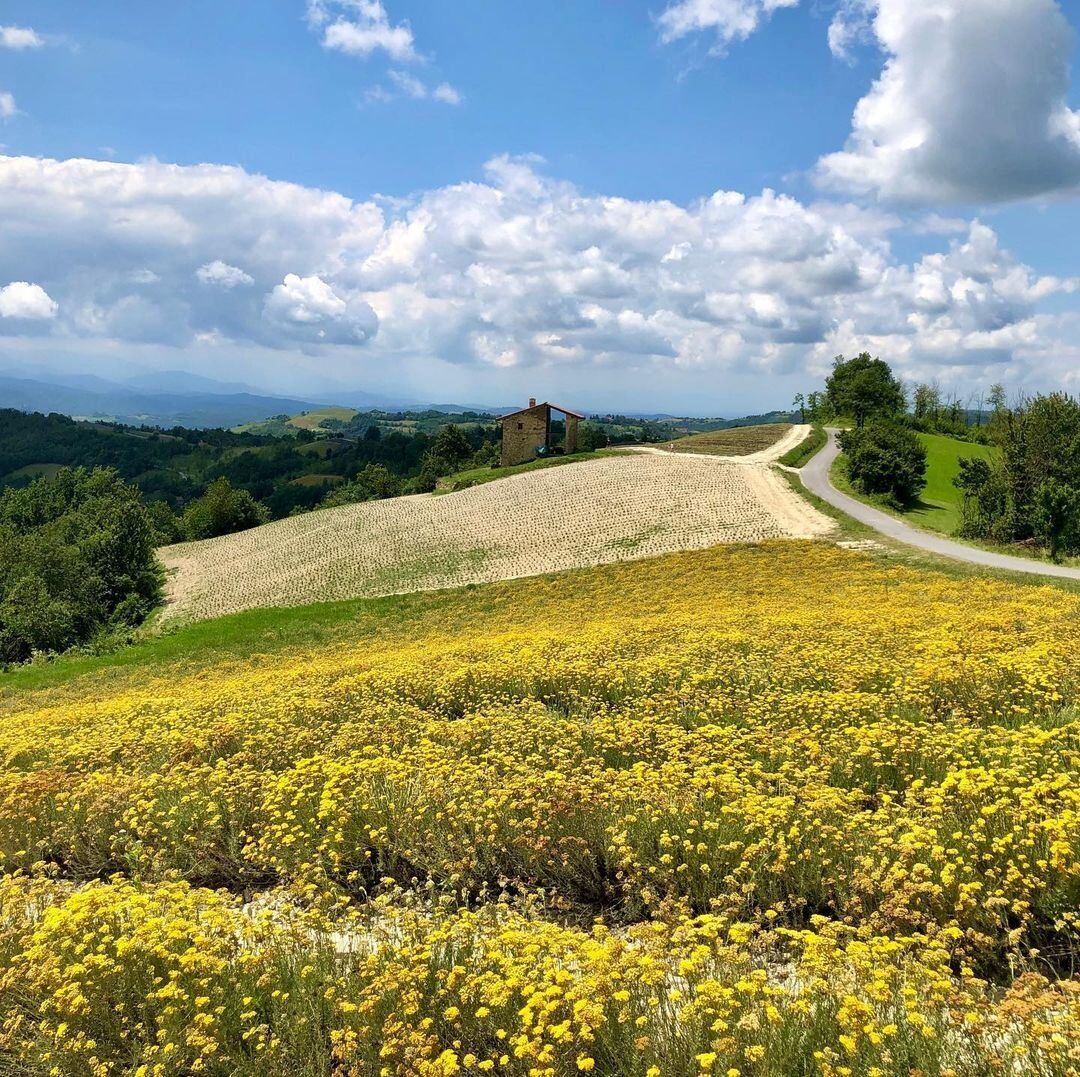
<point x="527" y="434"/>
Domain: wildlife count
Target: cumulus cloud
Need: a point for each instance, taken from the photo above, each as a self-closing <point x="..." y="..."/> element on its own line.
<point x="516" y="270"/>
<point x="308" y="309"/>
<point x="223" y="275"/>
<point x="361" y="28"/>
<point x="7" y="106"/>
<point x="31" y="302"/>
<point x="970" y="107"/>
<point x="730" y="20"/>
<point x="20" y="37"/>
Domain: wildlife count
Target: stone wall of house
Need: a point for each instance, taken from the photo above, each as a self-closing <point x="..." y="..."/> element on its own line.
<point x="522" y="434"/>
<point x="571" y="434"/>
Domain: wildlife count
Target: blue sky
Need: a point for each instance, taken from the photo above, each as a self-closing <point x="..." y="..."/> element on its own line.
<point x="544" y="172"/>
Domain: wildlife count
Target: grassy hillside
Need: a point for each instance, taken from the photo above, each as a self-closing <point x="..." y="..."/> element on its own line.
<point x="938" y="507"/>
<point x="828" y="798"/>
<point x="736" y="441"/>
<point x="606" y="509"/>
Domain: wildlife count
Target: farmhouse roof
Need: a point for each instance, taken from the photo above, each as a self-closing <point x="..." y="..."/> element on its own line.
<point x="544" y="404"/>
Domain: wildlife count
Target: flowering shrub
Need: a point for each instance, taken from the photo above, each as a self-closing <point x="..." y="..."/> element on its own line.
<point x="772" y="810"/>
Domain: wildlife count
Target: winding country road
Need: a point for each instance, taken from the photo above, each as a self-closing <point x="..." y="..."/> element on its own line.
<point x="815" y="477"/>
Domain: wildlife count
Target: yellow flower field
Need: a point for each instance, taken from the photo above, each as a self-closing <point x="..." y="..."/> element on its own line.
<point x="770" y="810"/>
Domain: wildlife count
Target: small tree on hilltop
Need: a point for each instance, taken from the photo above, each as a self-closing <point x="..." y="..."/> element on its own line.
<point x="222" y="510"/>
<point x="886" y="458"/>
<point x="864" y="388"/>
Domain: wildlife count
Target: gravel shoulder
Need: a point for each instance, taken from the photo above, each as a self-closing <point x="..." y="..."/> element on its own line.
<point x="815" y="476"/>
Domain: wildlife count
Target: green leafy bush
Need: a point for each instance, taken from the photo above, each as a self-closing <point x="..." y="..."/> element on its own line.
<point x="886" y="458"/>
<point x="373" y="483"/>
<point x="222" y="510"/>
<point x="1056" y="517"/>
<point x="76" y="561"/>
<point x="1033" y="490"/>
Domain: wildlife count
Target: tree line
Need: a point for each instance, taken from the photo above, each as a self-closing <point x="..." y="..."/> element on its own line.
<point x="1027" y="492"/>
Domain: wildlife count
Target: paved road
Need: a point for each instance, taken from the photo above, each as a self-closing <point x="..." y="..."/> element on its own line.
<point x="815" y="476"/>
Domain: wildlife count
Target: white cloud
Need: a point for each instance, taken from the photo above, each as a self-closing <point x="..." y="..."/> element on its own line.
<point x="519" y="270"/>
<point x="408" y="85"/>
<point x="223" y="275"/>
<point x="969" y="108"/>
<point x="7" y="106"/>
<point x="26" y="301"/>
<point x="730" y="20"/>
<point x="447" y="94"/>
<point x="361" y="28"/>
<point x="20" y="37"/>
<point x="308" y="309"/>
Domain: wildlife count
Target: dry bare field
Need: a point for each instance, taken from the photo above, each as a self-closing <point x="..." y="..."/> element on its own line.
<point x="610" y="509"/>
<point x="737" y="441"/>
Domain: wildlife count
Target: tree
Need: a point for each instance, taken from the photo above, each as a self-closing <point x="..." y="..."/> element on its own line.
<point x="799" y="405"/>
<point x="886" y="458"/>
<point x="926" y="402"/>
<point x="451" y="444"/>
<point x="591" y="437"/>
<point x="1029" y="490"/>
<point x="863" y="388"/>
<point x="76" y="560"/>
<point x="1055" y="517"/>
<point x="164" y="523"/>
<point x="222" y="510"/>
<point x="373" y="483"/>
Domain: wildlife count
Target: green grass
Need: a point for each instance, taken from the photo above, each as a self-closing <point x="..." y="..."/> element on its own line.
<point x="240" y="635"/>
<point x="317" y="480"/>
<point x="735" y="441"/>
<point x="848" y="529"/>
<point x="34" y="471"/>
<point x="938" y="507"/>
<point x="313" y="420"/>
<point x="477" y="476"/>
<point x="811" y="445"/>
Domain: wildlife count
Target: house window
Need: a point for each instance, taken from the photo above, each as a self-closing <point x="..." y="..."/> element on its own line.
<point x="521" y="426"/>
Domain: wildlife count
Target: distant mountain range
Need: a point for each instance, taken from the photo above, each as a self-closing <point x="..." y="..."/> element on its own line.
<point x="120" y="403"/>
<point x="177" y="398"/>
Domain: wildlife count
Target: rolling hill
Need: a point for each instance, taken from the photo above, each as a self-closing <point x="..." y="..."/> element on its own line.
<point x="609" y="509"/>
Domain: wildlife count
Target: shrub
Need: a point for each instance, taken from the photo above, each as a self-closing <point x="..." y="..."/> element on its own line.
<point x="222" y="510"/>
<point x="1056" y="517"/>
<point x="886" y="458"/>
<point x="76" y="560"/>
<point x="373" y="483"/>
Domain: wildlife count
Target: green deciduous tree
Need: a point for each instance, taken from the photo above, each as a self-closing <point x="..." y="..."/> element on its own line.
<point x="76" y="560"/>
<point x="863" y="388"/>
<point x="373" y="483"/>
<point x="222" y="510"/>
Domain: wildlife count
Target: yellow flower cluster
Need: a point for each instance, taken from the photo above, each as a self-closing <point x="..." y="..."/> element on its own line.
<point x="822" y="813"/>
